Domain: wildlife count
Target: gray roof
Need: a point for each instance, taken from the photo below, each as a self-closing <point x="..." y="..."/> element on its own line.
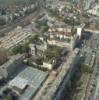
<point x="88" y="56"/>
<point x="11" y="61"/>
<point x="8" y="67"/>
<point x="34" y="77"/>
<point x="41" y="47"/>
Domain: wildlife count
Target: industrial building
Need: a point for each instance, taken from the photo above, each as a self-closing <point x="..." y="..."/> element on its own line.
<point x="26" y="84"/>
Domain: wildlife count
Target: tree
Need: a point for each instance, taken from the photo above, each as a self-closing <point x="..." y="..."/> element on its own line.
<point x="39" y="61"/>
<point x="9" y="97"/>
<point x="68" y="90"/>
<point x="21" y="48"/>
<point x="45" y="29"/>
<point x="25" y="48"/>
<point x="35" y="39"/>
<point x="85" y="69"/>
<point x="17" y="49"/>
<point x="2" y="21"/>
<point x="39" y="24"/>
<point x="52" y="52"/>
<point x="69" y="85"/>
<point x="3" y="56"/>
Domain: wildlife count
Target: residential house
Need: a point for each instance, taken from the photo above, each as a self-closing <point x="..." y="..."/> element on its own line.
<point x="38" y="50"/>
<point x="62" y="35"/>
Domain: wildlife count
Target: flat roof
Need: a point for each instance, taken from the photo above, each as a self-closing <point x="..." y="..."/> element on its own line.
<point x="88" y="56"/>
<point x="18" y="82"/>
<point x="33" y="75"/>
<point x="11" y="60"/>
<point x="33" y="78"/>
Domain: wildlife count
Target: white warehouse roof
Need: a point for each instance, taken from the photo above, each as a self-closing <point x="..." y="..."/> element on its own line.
<point x="19" y="83"/>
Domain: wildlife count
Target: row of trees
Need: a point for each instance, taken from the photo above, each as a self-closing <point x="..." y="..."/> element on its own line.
<point x="35" y="39"/>
<point x="71" y="21"/>
<point x="42" y="25"/>
<point x="20" y="48"/>
<point x="76" y="82"/>
<point x="85" y="69"/>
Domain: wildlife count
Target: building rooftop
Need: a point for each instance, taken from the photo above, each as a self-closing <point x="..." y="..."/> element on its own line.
<point x="30" y="77"/>
<point x="18" y="82"/>
<point x="88" y="56"/>
<point x="41" y="47"/>
<point x="11" y="60"/>
<point x="15" y="37"/>
<point x="9" y="67"/>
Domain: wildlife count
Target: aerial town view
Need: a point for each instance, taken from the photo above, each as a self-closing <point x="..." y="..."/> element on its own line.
<point x="49" y="49"/>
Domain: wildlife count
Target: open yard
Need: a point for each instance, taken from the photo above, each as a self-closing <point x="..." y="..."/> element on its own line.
<point x="52" y="52"/>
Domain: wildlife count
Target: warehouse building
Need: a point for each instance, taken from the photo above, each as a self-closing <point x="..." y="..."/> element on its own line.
<point x="26" y="84"/>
